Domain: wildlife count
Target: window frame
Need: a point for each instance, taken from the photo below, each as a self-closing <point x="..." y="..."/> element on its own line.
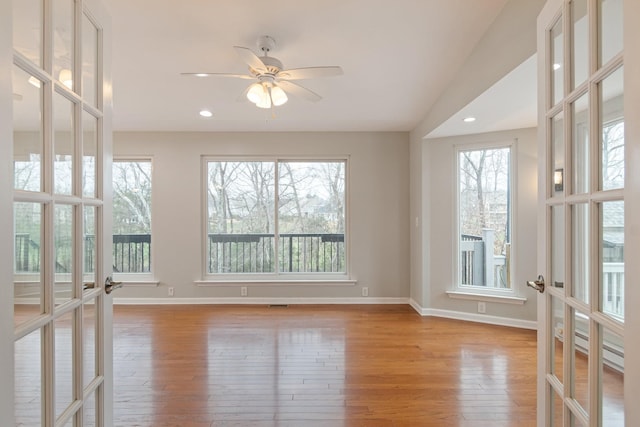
<point x="142" y="277"/>
<point x="458" y="287"/>
<point x="277" y="276"/>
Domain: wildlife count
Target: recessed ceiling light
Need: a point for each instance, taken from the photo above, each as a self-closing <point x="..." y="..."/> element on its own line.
<point x="206" y="113"/>
<point x="469" y="119"/>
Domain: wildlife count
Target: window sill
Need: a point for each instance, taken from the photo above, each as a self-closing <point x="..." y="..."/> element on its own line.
<point x="274" y="282"/>
<point x="477" y="296"/>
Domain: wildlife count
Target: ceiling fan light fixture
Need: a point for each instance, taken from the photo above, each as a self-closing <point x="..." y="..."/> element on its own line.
<point x="257" y="93"/>
<point x="278" y="96"/>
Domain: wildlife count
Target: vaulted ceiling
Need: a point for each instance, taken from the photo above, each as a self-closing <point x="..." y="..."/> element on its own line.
<point x="397" y="57"/>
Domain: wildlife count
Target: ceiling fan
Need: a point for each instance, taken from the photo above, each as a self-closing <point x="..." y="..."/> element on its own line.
<point x="273" y="81"/>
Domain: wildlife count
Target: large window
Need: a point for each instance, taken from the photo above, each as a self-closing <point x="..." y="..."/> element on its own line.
<point x="132" y="216"/>
<point x="484" y="217"/>
<point x="247" y="232"/>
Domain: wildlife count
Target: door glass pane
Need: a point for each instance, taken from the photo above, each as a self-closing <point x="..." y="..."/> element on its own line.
<point x="557" y="246"/>
<point x="580" y="52"/>
<point x="311" y="216"/>
<point x="557" y="153"/>
<point x="89" y="409"/>
<point x="556" y="332"/>
<point x="27" y="131"/>
<point x="612" y="250"/>
<point x="63" y="366"/>
<point x="27" y="254"/>
<point x="89" y="252"/>
<point x="557" y="65"/>
<point x="28" y="381"/>
<point x="580" y="144"/>
<point x="63" y="13"/>
<point x="89" y="61"/>
<point x="580" y="251"/>
<point x="89" y="151"/>
<point x="580" y="359"/>
<point x="610" y="26"/>
<point x="63" y="144"/>
<point x="89" y="342"/>
<point x="611" y="378"/>
<point x="27" y="29"/>
<point x="556" y="409"/>
<point x="612" y="130"/>
<point x="63" y="240"/>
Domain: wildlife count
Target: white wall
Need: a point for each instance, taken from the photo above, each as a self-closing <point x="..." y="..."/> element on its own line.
<point x="440" y="214"/>
<point x="378" y="208"/>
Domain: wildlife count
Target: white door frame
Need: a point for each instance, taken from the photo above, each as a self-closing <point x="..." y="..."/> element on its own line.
<point x="632" y="212"/>
<point x="6" y="214"/>
<point x="7" y="332"/>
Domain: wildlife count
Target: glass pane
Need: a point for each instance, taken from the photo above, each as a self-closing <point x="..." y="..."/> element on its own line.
<point x="610" y="40"/>
<point x="557" y="246"/>
<point x="28" y="381"/>
<point x="557" y="58"/>
<point x="580" y="144"/>
<point x="63" y="13"/>
<point x="556" y="332"/>
<point x="557" y="153"/>
<point x="63" y="240"/>
<point x="63" y="144"/>
<point x="612" y="250"/>
<point x="89" y="411"/>
<point x="612" y="130"/>
<point x="27" y="131"/>
<point x="557" y="407"/>
<point x="240" y="217"/>
<point x="27" y="253"/>
<point x="612" y="378"/>
<point x="580" y="252"/>
<point x="89" y="253"/>
<point x="580" y="53"/>
<point x="311" y="216"/>
<point x="89" y="151"/>
<point x="484" y="209"/>
<point x="132" y="216"/>
<point x="89" y="61"/>
<point x="89" y="342"/>
<point x="63" y="364"/>
<point x="27" y="29"/>
<point x="580" y="359"/>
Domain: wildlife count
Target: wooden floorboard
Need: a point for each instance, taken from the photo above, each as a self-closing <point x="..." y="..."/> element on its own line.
<point x="317" y="366"/>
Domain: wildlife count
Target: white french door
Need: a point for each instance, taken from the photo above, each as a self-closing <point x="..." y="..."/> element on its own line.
<point x="588" y="122"/>
<point x="59" y="240"/>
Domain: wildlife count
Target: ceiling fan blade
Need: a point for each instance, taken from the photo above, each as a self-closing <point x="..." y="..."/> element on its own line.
<point x="239" y="76"/>
<point x="297" y="90"/>
<point x="310" y="73"/>
<point x="251" y="59"/>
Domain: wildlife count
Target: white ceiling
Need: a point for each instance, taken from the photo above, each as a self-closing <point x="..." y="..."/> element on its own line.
<point x="397" y="56"/>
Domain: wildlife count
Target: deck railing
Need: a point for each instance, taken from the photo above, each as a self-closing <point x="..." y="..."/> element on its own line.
<point x="255" y="253"/>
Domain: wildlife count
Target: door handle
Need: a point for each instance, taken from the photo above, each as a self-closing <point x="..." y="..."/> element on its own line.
<point x="538" y="285"/>
<point x="110" y="285"/>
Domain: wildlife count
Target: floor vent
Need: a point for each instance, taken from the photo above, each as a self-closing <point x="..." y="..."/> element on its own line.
<point x="278" y="305"/>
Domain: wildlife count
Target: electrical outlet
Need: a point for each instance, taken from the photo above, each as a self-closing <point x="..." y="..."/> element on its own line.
<point x="171" y="291"/>
<point x="243" y="291"/>
<point x="365" y="292"/>
<point x="482" y="307"/>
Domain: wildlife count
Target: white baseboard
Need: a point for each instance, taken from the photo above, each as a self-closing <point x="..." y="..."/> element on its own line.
<point x="473" y="317"/>
<point x="257" y="301"/>
<point x="458" y="315"/>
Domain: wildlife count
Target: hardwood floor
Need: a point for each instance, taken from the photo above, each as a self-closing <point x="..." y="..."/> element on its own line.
<point x="301" y="366"/>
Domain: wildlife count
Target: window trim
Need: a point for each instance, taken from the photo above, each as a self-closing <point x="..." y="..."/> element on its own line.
<point x="286" y="278"/>
<point x="459" y="290"/>
<point x="147" y="278"/>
